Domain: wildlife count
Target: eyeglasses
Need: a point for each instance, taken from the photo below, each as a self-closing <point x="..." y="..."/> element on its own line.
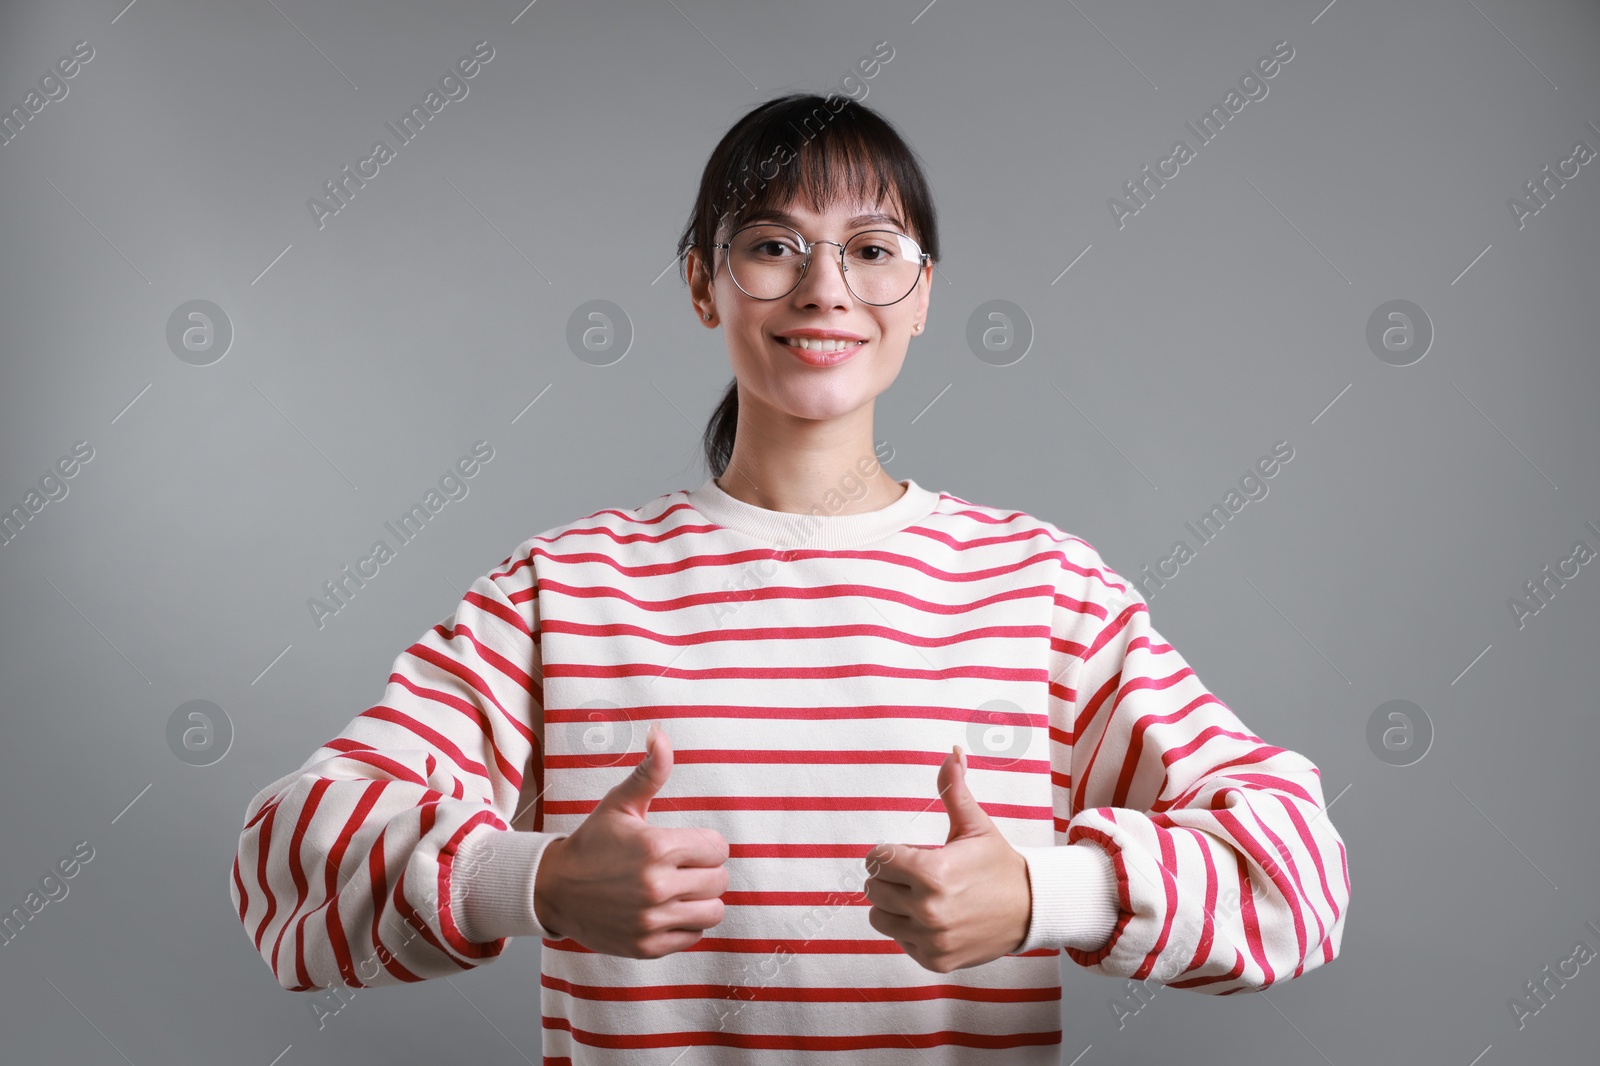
<point x="880" y="266"/>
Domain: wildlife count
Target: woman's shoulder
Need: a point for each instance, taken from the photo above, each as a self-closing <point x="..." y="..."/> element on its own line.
<point x="1083" y="570"/>
<point x="603" y="530"/>
<point x="654" y="516"/>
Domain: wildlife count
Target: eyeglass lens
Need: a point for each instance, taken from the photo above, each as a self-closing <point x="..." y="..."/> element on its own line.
<point x="880" y="266"/>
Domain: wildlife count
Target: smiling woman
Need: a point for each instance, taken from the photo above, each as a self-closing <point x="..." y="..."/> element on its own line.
<point x="933" y="745"/>
<point x="828" y="262"/>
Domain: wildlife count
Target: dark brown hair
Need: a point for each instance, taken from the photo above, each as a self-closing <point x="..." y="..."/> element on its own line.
<point x="819" y="148"/>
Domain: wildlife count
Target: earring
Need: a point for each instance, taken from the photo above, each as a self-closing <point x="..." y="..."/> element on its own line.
<point x="708" y="316"/>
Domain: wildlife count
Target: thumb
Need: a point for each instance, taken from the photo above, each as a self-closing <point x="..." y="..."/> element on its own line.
<point x="966" y="817"/>
<point x="632" y="795"/>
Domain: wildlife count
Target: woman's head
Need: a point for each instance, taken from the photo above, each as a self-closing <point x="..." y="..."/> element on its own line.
<point x="829" y="168"/>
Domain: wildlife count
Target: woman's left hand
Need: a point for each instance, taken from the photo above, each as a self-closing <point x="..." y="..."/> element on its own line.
<point x="963" y="904"/>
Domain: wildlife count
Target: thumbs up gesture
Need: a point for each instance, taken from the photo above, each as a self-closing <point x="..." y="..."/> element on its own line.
<point x="621" y="886"/>
<point x="963" y="904"/>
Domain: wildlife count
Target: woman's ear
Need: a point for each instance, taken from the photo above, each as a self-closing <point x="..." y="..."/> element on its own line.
<point x="924" y="291"/>
<point x="699" y="285"/>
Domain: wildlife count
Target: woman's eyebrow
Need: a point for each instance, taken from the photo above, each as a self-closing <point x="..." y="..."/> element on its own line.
<point x="794" y="223"/>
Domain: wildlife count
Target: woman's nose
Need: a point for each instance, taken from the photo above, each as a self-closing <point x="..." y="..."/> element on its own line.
<point x="825" y="271"/>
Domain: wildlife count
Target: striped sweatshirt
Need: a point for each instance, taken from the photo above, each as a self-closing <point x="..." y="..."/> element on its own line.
<point x="811" y="671"/>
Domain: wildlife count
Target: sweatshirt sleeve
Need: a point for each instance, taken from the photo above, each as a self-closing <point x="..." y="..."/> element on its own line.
<point x="1226" y="872"/>
<point x="390" y="854"/>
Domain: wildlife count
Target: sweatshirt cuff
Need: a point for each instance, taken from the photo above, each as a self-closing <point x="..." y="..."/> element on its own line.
<point x="1075" y="898"/>
<point x="491" y="883"/>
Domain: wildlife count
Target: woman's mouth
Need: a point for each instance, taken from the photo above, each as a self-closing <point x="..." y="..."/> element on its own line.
<point x="820" y="352"/>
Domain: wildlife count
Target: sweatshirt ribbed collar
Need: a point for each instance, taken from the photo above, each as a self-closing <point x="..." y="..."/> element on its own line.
<point x="785" y="529"/>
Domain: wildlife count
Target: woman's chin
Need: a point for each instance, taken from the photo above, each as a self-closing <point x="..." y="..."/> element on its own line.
<point x="824" y="406"/>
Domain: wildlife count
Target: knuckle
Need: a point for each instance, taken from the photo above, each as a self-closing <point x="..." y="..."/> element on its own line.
<point x="653" y="846"/>
<point x="654" y="886"/>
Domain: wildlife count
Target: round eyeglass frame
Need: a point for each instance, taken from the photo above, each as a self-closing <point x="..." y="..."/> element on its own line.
<point x="807" y="247"/>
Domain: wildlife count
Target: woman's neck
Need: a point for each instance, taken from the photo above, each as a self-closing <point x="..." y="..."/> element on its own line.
<point x="841" y="487"/>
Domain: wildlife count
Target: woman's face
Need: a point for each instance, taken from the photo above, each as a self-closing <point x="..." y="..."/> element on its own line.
<point x="770" y="373"/>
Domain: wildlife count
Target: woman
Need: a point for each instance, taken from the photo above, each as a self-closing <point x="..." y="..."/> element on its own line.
<point x="802" y="857"/>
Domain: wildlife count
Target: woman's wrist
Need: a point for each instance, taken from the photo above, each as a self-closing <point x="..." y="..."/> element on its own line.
<point x="492" y="883"/>
<point x="545" y="880"/>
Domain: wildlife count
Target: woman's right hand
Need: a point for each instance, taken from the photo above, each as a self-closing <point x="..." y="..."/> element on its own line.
<point x="621" y="886"/>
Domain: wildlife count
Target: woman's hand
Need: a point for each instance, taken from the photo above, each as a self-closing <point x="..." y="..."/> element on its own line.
<point x="621" y="886"/>
<point x="963" y="904"/>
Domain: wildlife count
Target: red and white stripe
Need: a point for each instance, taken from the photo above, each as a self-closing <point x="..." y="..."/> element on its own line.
<point x="809" y="711"/>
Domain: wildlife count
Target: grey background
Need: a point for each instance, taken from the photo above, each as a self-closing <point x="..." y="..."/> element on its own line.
<point x="368" y="355"/>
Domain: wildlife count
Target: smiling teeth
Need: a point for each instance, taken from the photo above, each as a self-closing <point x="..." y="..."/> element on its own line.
<point x="811" y="345"/>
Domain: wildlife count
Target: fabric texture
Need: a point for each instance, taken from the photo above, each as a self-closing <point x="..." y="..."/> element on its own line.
<point x="811" y="671"/>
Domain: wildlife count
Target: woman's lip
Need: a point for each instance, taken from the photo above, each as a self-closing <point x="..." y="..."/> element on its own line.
<point x="817" y="357"/>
